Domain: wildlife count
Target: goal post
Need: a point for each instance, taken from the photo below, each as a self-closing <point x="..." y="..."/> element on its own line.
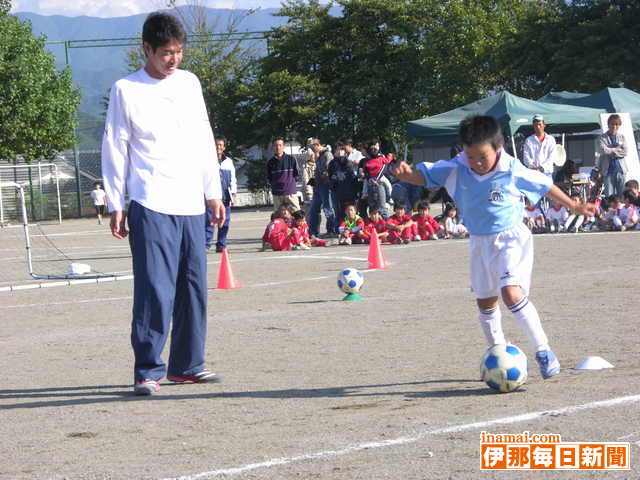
<point x="51" y="261"/>
<point x="43" y="183"/>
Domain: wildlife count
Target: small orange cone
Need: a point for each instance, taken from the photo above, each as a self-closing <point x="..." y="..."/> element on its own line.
<point x="226" y="280"/>
<point x="376" y="258"/>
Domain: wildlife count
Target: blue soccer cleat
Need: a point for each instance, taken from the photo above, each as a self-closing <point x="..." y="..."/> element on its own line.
<point x="549" y="364"/>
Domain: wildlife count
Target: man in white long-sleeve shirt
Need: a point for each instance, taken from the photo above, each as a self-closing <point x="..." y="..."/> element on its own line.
<point x="157" y="149"/>
<point x="540" y="148"/>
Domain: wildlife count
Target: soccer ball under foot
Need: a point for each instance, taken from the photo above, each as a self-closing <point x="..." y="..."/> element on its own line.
<point x="504" y="368"/>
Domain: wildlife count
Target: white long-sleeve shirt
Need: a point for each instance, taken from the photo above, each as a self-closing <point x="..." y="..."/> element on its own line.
<point x="158" y="145"/>
<point x="540" y="154"/>
<point x="227" y="164"/>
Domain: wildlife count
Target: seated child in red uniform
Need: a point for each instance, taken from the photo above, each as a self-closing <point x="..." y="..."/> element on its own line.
<point x="376" y="223"/>
<point x="400" y="226"/>
<point x="300" y="224"/>
<point x="352" y="227"/>
<point x="427" y="226"/>
<point x="278" y="234"/>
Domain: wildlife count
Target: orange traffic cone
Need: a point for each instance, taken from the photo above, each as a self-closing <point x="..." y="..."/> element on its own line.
<point x="226" y="280"/>
<point x="376" y="258"/>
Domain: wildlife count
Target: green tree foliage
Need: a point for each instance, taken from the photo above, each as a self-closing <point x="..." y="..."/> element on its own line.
<point x="37" y="104"/>
<point x="584" y="45"/>
<point x="382" y="62"/>
<point x="5" y="6"/>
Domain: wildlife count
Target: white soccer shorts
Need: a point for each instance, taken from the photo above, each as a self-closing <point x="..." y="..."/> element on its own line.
<point x="501" y="259"/>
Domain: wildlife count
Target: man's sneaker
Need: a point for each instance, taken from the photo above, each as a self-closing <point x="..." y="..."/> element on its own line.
<point x="205" y="376"/>
<point x="146" y="387"/>
<point x="549" y="364"/>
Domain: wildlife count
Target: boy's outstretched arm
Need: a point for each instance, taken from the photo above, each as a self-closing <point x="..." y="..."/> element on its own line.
<point x="405" y="173"/>
<point x="557" y="195"/>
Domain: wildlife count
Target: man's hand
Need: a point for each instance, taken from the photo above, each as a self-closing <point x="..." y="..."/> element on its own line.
<point x="217" y="212"/>
<point x="118" y="228"/>
<point x="405" y="173"/>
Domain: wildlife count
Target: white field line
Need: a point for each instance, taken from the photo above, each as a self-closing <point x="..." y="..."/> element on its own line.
<point x="275" y="462"/>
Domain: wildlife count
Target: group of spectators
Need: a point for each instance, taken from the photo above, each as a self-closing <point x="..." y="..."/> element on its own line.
<point x="353" y="188"/>
<point x="617" y="201"/>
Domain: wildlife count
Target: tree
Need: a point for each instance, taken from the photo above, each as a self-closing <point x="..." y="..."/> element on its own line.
<point x="380" y="63"/>
<point x="37" y="103"/>
<point x="5" y="6"/>
<point x="584" y="45"/>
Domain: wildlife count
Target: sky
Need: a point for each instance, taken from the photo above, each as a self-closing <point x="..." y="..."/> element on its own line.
<point x="122" y="8"/>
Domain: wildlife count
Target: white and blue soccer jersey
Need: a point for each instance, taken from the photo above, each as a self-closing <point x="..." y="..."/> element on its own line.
<point x="489" y="203"/>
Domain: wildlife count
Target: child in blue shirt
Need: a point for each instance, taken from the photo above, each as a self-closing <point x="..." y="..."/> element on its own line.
<point x="487" y="184"/>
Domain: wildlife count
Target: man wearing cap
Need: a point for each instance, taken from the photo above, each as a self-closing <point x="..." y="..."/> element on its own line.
<point x="540" y="148"/>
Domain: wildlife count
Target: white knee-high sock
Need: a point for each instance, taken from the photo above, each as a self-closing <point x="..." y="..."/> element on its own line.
<point x="491" y="323"/>
<point x="528" y="318"/>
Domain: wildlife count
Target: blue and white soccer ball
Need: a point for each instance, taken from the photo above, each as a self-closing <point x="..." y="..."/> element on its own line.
<point x="504" y="368"/>
<point x="350" y="280"/>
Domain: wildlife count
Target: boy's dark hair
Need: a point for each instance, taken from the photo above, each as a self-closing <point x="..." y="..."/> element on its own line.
<point x="160" y="28"/>
<point x="423" y="206"/>
<point x="479" y="129"/>
<point x="298" y="215"/>
<point x="347" y="205"/>
<point x="632" y="184"/>
<point x="347" y="141"/>
<point x="95" y="184"/>
<point x="630" y="197"/>
<point x="613" y="199"/>
<point x="373" y="210"/>
<point x="399" y="205"/>
<point x="371" y="142"/>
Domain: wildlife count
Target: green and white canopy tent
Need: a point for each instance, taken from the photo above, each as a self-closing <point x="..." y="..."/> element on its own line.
<point x="514" y="114"/>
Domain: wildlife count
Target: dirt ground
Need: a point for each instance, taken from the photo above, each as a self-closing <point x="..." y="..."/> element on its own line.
<point x="317" y="388"/>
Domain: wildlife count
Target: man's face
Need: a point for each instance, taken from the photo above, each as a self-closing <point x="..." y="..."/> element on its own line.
<point x="348" y="148"/>
<point x="538" y="127"/>
<point x="165" y="60"/>
<point x="278" y="147"/>
<point x="614" y="126"/>
<point x="482" y="157"/>
<point x="220" y="148"/>
<point x="374" y="148"/>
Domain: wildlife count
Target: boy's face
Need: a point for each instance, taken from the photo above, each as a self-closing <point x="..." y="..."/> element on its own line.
<point x="482" y="157"/>
<point x="299" y="222"/>
<point x="350" y="211"/>
<point x="375" y="216"/>
<point x="399" y="211"/>
<point x="423" y="212"/>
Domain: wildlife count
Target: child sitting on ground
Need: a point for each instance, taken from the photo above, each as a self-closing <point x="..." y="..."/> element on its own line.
<point x="453" y="227"/>
<point x="400" y="226"/>
<point x="533" y="217"/>
<point x="352" y="227"/>
<point x="426" y="225"/>
<point x="300" y="224"/>
<point x="375" y="223"/>
<point x="574" y="220"/>
<point x="279" y="235"/>
<point x="557" y="216"/>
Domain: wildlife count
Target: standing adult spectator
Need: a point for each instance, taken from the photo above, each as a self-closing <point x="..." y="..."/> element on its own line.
<point x="322" y="196"/>
<point x="282" y="172"/>
<point x="353" y="154"/>
<point x="612" y="150"/>
<point x="540" y="148"/>
<point x="308" y="172"/>
<point x="343" y="182"/>
<point x="229" y="186"/>
<point x="157" y="148"/>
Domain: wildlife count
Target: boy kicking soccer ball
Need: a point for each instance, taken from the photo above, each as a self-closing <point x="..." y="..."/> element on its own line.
<point x="487" y="185"/>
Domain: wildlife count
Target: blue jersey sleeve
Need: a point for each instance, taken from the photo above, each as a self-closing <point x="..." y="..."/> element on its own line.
<point x="436" y="174"/>
<point x="533" y="184"/>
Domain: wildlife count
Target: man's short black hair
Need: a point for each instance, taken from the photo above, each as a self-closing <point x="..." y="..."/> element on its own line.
<point x="479" y="129"/>
<point x="347" y="141"/>
<point x="160" y="28"/>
